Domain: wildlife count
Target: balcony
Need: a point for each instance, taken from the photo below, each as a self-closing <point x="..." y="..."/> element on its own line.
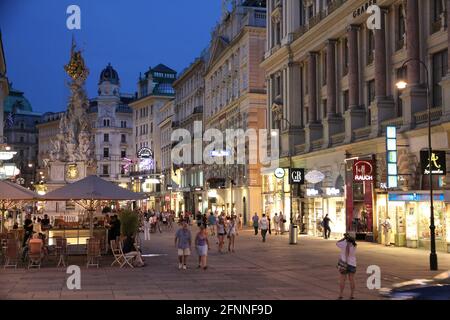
<point x="362" y="133"/>
<point x="422" y="116"/>
<point x="338" y="138"/>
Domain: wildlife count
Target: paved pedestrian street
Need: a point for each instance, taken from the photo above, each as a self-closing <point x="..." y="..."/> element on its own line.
<point x="271" y="271"/>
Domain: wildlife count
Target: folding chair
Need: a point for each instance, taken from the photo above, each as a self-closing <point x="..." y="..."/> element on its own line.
<point x="127" y="258"/>
<point x="93" y="252"/>
<point x="35" y="254"/>
<point x="61" y="251"/>
<point x="11" y="254"/>
<point x="116" y="253"/>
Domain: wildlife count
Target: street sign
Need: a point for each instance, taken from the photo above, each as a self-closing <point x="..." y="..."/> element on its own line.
<point x="438" y="162"/>
<point x="296" y="176"/>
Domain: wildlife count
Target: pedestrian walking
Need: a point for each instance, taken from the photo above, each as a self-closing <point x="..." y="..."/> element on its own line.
<point x="326" y="227"/>
<point x="202" y="245"/>
<point x="231" y="234"/>
<point x="146" y="229"/>
<point x="276" y="224"/>
<point x="387" y="228"/>
<point x="221" y="232"/>
<point x="264" y="226"/>
<point x="282" y="222"/>
<point x="212" y="223"/>
<point x="347" y="264"/>
<point x="183" y="243"/>
<point x="255" y="220"/>
<point x="240" y="222"/>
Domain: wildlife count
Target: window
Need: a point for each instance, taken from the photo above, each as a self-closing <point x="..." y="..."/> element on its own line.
<point x="277" y="86"/>
<point x="437" y="10"/>
<point x="370" y="92"/>
<point x="401" y="27"/>
<point x="123" y="153"/>
<point x="324" y="108"/>
<point x="370" y="46"/>
<point x="440" y="68"/>
<point x="106" y="122"/>
<point x="105" y="169"/>
<point x="401" y="74"/>
<point x="137" y="131"/>
<point x="106" y="137"/>
<point x="21" y="139"/>
<point x="345" y="100"/>
<point x="324" y="69"/>
<point x="106" y="152"/>
<point x="345" y="55"/>
<point x="123" y="124"/>
<point x="123" y="138"/>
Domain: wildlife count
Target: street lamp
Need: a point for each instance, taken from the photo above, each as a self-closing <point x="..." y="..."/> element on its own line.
<point x="402" y="84"/>
<point x="275" y="134"/>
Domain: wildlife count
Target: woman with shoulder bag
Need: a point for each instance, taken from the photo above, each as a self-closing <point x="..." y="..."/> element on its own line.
<point x="347" y="264"/>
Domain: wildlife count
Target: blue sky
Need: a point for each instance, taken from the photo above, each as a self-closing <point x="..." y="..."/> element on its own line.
<point x="131" y="34"/>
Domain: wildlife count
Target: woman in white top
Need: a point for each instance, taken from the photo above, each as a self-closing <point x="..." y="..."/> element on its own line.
<point x="347" y="263"/>
<point x="231" y="234"/>
<point x="264" y="226"/>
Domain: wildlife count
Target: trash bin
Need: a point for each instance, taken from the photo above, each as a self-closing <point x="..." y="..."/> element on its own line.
<point x="293" y="234"/>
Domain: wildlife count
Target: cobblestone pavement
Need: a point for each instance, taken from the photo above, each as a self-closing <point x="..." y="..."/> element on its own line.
<point x="270" y="271"/>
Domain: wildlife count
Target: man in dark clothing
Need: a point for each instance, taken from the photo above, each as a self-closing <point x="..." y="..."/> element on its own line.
<point x="28" y="227"/>
<point x="326" y="227"/>
<point x="116" y="226"/>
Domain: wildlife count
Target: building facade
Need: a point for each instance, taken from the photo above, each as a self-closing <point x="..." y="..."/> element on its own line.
<point x="189" y="104"/>
<point x="154" y="91"/>
<point x="112" y="123"/>
<point x="235" y="98"/>
<point x="21" y="135"/>
<point x="4" y="87"/>
<point x="334" y="80"/>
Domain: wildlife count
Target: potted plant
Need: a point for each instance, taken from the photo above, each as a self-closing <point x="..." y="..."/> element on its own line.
<point x="129" y="222"/>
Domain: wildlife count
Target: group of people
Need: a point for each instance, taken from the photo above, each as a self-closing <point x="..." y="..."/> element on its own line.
<point x="264" y="224"/>
<point x="220" y="225"/>
<point x="152" y="220"/>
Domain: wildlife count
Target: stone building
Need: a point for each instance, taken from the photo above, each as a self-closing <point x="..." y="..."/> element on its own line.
<point x="189" y="104"/>
<point x="154" y="91"/>
<point x="235" y="98"/>
<point x="333" y="78"/>
<point x="4" y="86"/>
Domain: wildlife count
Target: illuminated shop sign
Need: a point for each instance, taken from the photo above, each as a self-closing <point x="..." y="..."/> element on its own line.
<point x="363" y="170"/>
<point x="332" y="192"/>
<point x="145" y="153"/>
<point x="438" y="164"/>
<point x="391" y="157"/>
<point x="314" y="177"/>
<point x="296" y="176"/>
<point x="415" y="197"/>
<point x="146" y="162"/>
<point x="312" y="192"/>
<point x="220" y="153"/>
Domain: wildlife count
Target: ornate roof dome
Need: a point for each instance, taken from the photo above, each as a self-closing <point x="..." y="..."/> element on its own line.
<point x="16" y="101"/>
<point x="109" y="74"/>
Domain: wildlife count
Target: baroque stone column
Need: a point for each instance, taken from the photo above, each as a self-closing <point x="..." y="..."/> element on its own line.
<point x="445" y="83"/>
<point x="383" y="107"/>
<point x="332" y="124"/>
<point x="415" y="96"/>
<point x="355" y="116"/>
<point x="313" y="130"/>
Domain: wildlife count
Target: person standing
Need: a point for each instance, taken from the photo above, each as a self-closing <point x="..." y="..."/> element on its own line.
<point x="264" y="226"/>
<point x="326" y="227"/>
<point x="202" y="245"/>
<point x="387" y="228"/>
<point x="347" y="264"/>
<point x="240" y="222"/>
<point x="28" y="227"/>
<point x="255" y="220"/>
<point x="212" y="223"/>
<point x="276" y="224"/>
<point x="117" y="226"/>
<point x="146" y="228"/>
<point x="231" y="234"/>
<point x="282" y="222"/>
<point x="221" y="232"/>
<point x="183" y="243"/>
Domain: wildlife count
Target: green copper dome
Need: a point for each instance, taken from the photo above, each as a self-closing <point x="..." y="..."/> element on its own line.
<point x="16" y="100"/>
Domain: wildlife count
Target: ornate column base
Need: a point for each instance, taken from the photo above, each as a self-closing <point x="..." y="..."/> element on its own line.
<point x="381" y="110"/>
<point x="313" y="132"/>
<point x="290" y="139"/>
<point x="332" y="125"/>
<point x="354" y="118"/>
<point x="445" y="84"/>
<point x="414" y="100"/>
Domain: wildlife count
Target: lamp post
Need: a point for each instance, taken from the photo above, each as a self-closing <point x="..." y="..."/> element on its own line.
<point x="274" y="134"/>
<point x="402" y="84"/>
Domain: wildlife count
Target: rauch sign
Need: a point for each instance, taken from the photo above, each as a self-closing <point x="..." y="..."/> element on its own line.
<point x="363" y="171"/>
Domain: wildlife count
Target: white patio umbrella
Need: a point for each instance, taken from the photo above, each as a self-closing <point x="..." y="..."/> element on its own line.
<point x="12" y="194"/>
<point x="90" y="192"/>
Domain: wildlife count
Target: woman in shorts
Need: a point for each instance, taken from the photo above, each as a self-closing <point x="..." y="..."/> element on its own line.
<point x="347" y="264"/>
<point x="221" y="232"/>
<point x="202" y="244"/>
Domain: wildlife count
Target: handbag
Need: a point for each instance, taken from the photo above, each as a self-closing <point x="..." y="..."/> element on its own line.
<point x="342" y="266"/>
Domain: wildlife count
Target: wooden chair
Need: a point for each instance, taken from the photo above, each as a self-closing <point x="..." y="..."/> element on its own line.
<point x="35" y="254"/>
<point x="11" y="254"/>
<point x="127" y="258"/>
<point x="116" y="253"/>
<point x="61" y="251"/>
<point x="93" y="252"/>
